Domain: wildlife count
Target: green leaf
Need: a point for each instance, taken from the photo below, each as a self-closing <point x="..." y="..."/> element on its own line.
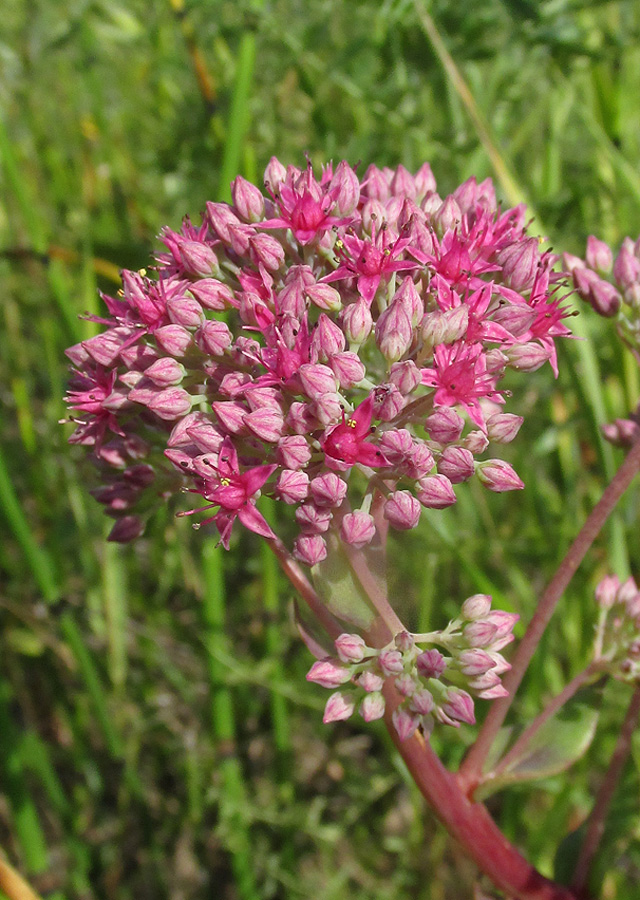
<point x="556" y="746"/>
<point x="338" y="586"/>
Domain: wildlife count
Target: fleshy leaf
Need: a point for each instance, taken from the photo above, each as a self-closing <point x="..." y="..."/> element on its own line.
<point x="558" y="744"/>
<point x="336" y="583"/>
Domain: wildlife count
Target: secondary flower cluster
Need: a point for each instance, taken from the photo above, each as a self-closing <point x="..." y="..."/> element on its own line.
<point x="430" y="680"/>
<point x="337" y="337"/>
<point x="612" y="287"/>
<point x="618" y="630"/>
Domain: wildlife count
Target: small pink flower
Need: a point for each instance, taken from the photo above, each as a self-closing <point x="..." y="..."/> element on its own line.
<point x="357" y="529"/>
<point x="348" y="442"/>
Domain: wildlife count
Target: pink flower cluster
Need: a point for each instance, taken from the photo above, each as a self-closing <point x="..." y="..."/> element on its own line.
<point x="617" y="641"/>
<point x="431" y="682"/>
<point x="340" y="336"/>
<point x="612" y="287"/>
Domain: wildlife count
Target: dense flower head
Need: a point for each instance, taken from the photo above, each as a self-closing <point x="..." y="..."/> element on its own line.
<point x="336" y="337"/>
<point x="617" y="641"/>
<point x="437" y="674"/>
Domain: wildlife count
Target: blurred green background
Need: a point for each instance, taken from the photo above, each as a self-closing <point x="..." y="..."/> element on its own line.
<point x="157" y="736"/>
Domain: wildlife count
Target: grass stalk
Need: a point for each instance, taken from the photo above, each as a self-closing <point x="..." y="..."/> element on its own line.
<point x="238" y="122"/>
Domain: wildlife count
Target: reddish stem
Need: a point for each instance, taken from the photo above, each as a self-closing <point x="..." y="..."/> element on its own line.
<point x="595" y="826"/>
<point x="471" y="769"/>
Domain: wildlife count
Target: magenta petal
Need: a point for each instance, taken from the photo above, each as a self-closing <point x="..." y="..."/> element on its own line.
<point x="367" y="287"/>
<point x="362" y="416"/>
<point x="370" y="455"/>
<point x="224" y="524"/>
<point x="228" y="459"/>
<point x="228" y="496"/>
<point x="254" y="521"/>
<point x="253" y="479"/>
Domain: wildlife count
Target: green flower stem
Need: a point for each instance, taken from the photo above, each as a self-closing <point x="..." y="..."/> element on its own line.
<point x="585" y="677"/>
<point x="273" y="642"/>
<point x="470" y="771"/>
<point x="233" y="799"/>
<point x="595" y="823"/>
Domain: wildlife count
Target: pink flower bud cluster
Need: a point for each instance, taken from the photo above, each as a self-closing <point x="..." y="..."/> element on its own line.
<point x="617" y="640"/>
<point x="612" y="287"/>
<point x="435" y="673"/>
<point x="337" y="336"/>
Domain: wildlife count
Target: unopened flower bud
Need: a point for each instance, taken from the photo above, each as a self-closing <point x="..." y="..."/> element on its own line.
<point x="317" y="379"/>
<point x="404" y="641"/>
<point x="402" y="510"/>
<point x="475" y="662"/>
<point x="292" y="486"/>
<point x="457" y="464"/>
<point x="520" y="263"/>
<point x="324" y="297"/>
<point x="406" y="685"/>
<point x="274" y="174"/>
<point x="327" y="339"/>
<point x="173" y="339"/>
<point x="422" y="702"/>
<point x="126" y="529"/>
<point x="247" y="200"/>
<point x="198" y="259"/>
<point x="394" y="333"/>
<point x="503" y="427"/>
<point x="357" y="322"/>
<point x="293" y="451"/>
<point x="339" y="707"/>
<point x="476" y="442"/>
<point x="436" y="492"/>
<point x="166" y="372"/>
<point x="405" y="376"/>
<point x="527" y="357"/>
<point x="170" y="403"/>
<point x="313" y="520"/>
<point x="444" y="426"/>
<point x="213" y="337"/>
<point x="369" y="681"/>
<point x="267" y="423"/>
<point x="328" y="490"/>
<point x="185" y="311"/>
<point x="607" y="590"/>
<point x="348" y="369"/>
<point x="476" y="607"/>
<point x="310" y="549"/>
<point x="329" y="673"/>
<point x="357" y="529"/>
<point x="626" y="269"/>
<point x="458" y="706"/>
<point x="424" y="181"/>
<point x="447" y="216"/>
<point x="345" y="189"/>
<point x="372" y="707"/>
<point x="350" y="648"/>
<point x="498" y="476"/>
<point x="212" y="294"/>
<point x="431" y="664"/>
<point x="599" y="255"/>
<point x="404" y="723"/>
<point x="391" y="663"/>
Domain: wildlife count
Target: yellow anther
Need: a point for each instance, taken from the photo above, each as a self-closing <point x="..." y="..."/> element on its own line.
<point x="225" y="482"/>
<point x="352" y="423"/>
<point x="142" y="272"/>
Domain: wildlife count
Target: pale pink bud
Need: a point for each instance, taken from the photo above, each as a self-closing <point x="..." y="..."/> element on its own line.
<point x="313" y="520"/>
<point x="458" y="705"/>
<point x="621" y="432"/>
<point x="198" y="259"/>
<point x="171" y="403"/>
<point x="222" y="217"/>
<point x="300" y="419"/>
<point x="166" y="371"/>
<point x="494" y="693"/>
<point x="328" y="408"/>
<point x="607" y="590"/>
<point x="126" y="529"/>
<point x="432" y="328"/>
<point x="357" y="529"/>
<point x="627" y="591"/>
<point x="475" y="662"/>
<point x="394" y="333"/>
<point x="408" y="295"/>
<point x="324" y="297"/>
<point x="402" y="510"/>
<point x="444" y="425"/>
<point x="184" y="311"/>
<point x="504" y="623"/>
<point x="436" y="492"/>
<point x="292" y="486"/>
<point x="339" y="707"/>
<point x="329" y="673"/>
<point x="476" y="607"/>
<point x="372" y="707"/>
<point x="516" y="319"/>
<point x="267" y="423"/>
<point x="466" y="194"/>
<point x="267" y="250"/>
<point x="520" y="263"/>
<point x="212" y="294"/>
<point x="503" y="427"/>
<point x="317" y="379"/>
<point x="357" y="322"/>
<point x="447" y="216"/>
<point x="626" y="269"/>
<point x="328" y="490"/>
<point x="259" y="397"/>
<point x="231" y="414"/>
<point x="180" y="436"/>
<point x="480" y="633"/>
<point x="498" y="476"/>
<point x="571" y="262"/>
<point x="605" y="299"/>
<point x="388" y="402"/>
<point x="213" y="337"/>
<point x="476" y="442"/>
<point x="390" y="661"/>
<point x="310" y="549"/>
<point x="345" y="189"/>
<point x="404" y="641"/>
<point x="328" y="339"/>
<point x="420" y="461"/>
<point x="369" y="681"/>
<point x="456" y="324"/>
<point x="431" y="204"/>
<point x="274" y="174"/>
<point x="405" y="376"/>
<point x="396" y="445"/>
<point x="422" y="702"/>
<point x="527" y="357"/>
<point x="206" y="437"/>
<point x="375" y="185"/>
<point x="406" y="685"/>
<point x="293" y="451"/>
<point x="431" y="664"/>
<point x="253" y="310"/>
<point x="402" y="183"/>
<point x="599" y="255"/>
<point x="247" y="200"/>
<point x="348" y="368"/>
<point x="485" y="681"/>
<point x="404" y="723"/>
<point x="457" y="464"/>
<point x="350" y="648"/>
<point x="424" y="181"/>
<point x="173" y="339"/>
